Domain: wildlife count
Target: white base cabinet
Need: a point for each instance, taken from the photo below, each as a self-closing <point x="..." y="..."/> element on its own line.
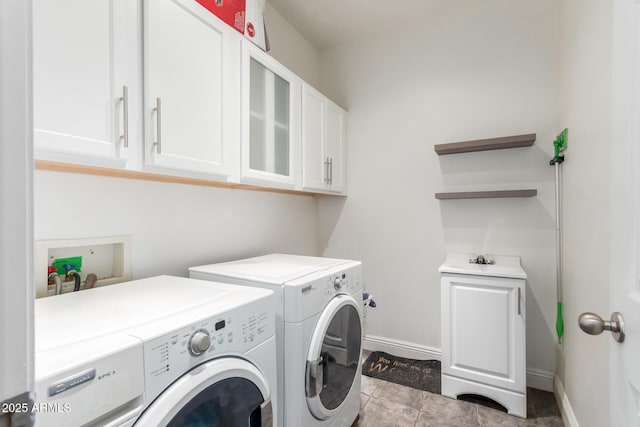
<point x="483" y="339"/>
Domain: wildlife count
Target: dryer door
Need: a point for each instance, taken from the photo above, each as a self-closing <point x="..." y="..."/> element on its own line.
<point x="334" y="355"/>
<point x="223" y="392"/>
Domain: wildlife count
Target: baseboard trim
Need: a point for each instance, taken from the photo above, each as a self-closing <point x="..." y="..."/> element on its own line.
<point x="568" y="417"/>
<point x="536" y="378"/>
<point x="540" y="379"/>
<point x="401" y="348"/>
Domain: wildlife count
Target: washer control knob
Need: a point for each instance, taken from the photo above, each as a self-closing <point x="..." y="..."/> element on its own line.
<point x="199" y="343"/>
<point x="337" y="283"/>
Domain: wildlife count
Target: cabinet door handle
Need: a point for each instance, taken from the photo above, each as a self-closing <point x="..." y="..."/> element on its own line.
<point x="326" y="171"/>
<point x="331" y="171"/>
<point x="519" y="303"/>
<point x="158" y="111"/>
<point x="125" y="116"/>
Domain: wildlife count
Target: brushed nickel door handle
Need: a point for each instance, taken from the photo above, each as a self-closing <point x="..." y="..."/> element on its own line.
<point x="326" y="171"/>
<point x="125" y="116"/>
<point x="158" y="110"/>
<point x="593" y="324"/>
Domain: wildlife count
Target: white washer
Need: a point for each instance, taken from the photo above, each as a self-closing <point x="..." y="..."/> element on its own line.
<point x="318" y="332"/>
<point x="160" y="351"/>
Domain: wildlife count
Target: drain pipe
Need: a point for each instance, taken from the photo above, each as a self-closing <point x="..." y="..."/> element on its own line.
<point x="76" y="279"/>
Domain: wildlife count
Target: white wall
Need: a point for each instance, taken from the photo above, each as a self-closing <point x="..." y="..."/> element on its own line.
<point x="174" y="226"/>
<point x="16" y="192"/>
<point x="290" y="48"/>
<point x="470" y="70"/>
<point x="584" y="68"/>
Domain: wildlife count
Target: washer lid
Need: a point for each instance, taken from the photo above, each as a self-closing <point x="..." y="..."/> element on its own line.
<point x="275" y="269"/>
<point x="505" y="266"/>
<point x="78" y="316"/>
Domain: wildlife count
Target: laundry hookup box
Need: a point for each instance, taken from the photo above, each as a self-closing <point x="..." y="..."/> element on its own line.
<point x="243" y="15"/>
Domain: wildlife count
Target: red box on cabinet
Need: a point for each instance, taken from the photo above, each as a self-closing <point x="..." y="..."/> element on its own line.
<point x="230" y="11"/>
<point x="255" y="30"/>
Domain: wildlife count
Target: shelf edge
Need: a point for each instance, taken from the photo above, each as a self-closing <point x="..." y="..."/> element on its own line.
<point x="515" y="141"/>
<point x="486" y="194"/>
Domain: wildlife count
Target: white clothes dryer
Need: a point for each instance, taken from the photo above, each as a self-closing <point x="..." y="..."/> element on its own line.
<point x="318" y="332"/>
<point x="163" y="351"/>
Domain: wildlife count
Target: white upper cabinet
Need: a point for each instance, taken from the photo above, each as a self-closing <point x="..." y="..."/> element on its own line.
<point x="214" y="106"/>
<point x="192" y="89"/>
<point x="270" y="120"/>
<point x="323" y="143"/>
<point x="86" y="74"/>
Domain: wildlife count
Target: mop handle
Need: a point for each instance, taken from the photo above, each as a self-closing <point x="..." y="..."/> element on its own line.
<point x="558" y="237"/>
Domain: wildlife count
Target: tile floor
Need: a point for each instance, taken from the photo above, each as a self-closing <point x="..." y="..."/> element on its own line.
<point x="386" y="404"/>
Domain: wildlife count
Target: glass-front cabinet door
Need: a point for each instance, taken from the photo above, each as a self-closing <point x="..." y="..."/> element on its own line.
<point x="271" y="120"/>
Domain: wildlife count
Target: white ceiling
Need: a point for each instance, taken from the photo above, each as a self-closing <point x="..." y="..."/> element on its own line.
<point x="329" y="23"/>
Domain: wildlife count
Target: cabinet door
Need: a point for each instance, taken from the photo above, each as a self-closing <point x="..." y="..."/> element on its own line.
<point x="323" y="143"/>
<point x="85" y="53"/>
<point x="192" y="62"/>
<point x="271" y="119"/>
<point x="483" y="330"/>
<point x="315" y="161"/>
<point x="334" y="135"/>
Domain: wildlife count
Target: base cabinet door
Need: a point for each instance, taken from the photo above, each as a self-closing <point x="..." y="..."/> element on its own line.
<point x="192" y="89"/>
<point x="483" y="330"/>
<point x="323" y="143"/>
<point x="86" y="80"/>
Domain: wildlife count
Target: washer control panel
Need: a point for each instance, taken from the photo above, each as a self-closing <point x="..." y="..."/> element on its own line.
<point x="200" y="342"/>
<point x="342" y="282"/>
<point x="169" y="356"/>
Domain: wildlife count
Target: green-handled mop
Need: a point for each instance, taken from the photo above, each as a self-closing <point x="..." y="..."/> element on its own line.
<point x="559" y="145"/>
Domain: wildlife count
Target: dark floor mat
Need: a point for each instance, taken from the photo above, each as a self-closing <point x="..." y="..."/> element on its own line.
<point x="425" y="375"/>
<point x="420" y="374"/>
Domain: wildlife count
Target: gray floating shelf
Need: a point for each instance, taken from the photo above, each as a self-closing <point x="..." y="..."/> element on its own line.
<point x="486" y="194"/>
<point x="486" y="144"/>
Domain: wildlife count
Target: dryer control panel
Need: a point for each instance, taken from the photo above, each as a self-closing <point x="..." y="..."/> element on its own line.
<point x="307" y="296"/>
<point x="170" y="355"/>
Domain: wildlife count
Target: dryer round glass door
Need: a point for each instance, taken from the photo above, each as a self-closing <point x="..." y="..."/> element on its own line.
<point x="223" y="392"/>
<point x="333" y="361"/>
